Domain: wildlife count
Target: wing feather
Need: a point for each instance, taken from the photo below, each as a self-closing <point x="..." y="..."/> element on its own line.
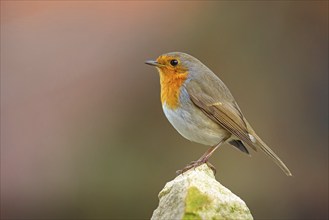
<point x="223" y="113"/>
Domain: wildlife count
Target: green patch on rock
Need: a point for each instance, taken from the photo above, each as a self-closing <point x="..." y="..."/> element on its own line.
<point x="234" y="208"/>
<point x="195" y="201"/>
<point x="191" y="216"/>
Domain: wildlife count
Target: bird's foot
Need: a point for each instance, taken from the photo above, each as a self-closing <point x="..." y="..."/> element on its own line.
<point x="195" y="164"/>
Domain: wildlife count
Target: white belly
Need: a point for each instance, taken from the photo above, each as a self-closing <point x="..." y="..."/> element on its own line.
<point x="194" y="125"/>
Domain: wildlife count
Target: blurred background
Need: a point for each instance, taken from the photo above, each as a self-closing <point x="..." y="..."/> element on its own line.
<point x="83" y="135"/>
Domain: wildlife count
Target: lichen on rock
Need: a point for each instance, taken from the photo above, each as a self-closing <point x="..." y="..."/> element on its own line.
<point x="197" y="195"/>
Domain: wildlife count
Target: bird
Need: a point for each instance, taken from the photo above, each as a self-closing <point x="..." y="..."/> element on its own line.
<point x="202" y="109"/>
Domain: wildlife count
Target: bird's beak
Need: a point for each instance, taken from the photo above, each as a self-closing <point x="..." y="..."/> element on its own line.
<point x="153" y="63"/>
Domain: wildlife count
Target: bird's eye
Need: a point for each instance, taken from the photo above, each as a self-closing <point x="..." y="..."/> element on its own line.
<point x="173" y="62"/>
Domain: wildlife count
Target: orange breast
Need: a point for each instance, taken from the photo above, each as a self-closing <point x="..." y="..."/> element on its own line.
<point x="171" y="83"/>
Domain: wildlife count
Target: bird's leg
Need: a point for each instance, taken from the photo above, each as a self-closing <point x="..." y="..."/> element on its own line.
<point x="203" y="159"/>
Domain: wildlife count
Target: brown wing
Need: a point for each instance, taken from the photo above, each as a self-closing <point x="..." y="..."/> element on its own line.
<point x="226" y="114"/>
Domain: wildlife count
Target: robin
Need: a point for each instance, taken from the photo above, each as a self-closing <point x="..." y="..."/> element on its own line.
<point x="202" y="109"/>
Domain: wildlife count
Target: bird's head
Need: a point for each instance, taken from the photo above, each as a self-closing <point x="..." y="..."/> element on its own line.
<point x="174" y="63"/>
<point x="174" y="69"/>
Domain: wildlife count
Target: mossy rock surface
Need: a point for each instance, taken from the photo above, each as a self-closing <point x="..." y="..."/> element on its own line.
<point x="196" y="195"/>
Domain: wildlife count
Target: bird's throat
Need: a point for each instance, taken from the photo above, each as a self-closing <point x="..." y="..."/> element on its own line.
<point x="171" y="83"/>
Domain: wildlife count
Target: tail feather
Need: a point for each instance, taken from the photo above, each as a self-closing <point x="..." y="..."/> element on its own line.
<point x="260" y="144"/>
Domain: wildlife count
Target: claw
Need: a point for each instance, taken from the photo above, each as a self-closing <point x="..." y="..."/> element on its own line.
<point x="195" y="164"/>
<point x="203" y="159"/>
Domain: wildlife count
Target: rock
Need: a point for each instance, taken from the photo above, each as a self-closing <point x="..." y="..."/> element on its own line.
<point x="196" y="194"/>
